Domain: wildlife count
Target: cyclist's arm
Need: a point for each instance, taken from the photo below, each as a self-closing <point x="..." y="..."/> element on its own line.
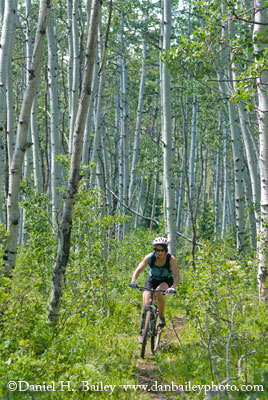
<point x="175" y="271"/>
<point x="142" y="265"/>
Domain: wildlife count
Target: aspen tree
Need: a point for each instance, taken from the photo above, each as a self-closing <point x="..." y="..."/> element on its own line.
<point x="75" y="70"/>
<point x="259" y="46"/>
<point x="87" y="140"/>
<point x="21" y="139"/>
<point x="217" y="194"/>
<point x="222" y="67"/>
<point x="56" y="181"/>
<point x="64" y="240"/>
<point x="138" y="121"/>
<point x="191" y="170"/>
<point x="70" y="61"/>
<point x="96" y="148"/>
<point x="124" y="145"/>
<point x="226" y="188"/>
<point x="181" y="190"/>
<point x="33" y="128"/>
<point x="252" y="161"/>
<point x="8" y="22"/>
<point x="167" y="133"/>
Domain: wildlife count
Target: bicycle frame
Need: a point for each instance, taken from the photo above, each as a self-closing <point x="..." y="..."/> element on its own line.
<point x="149" y="326"/>
<point x="151" y="306"/>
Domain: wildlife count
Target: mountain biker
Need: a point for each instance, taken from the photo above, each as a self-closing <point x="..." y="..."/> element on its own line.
<point x="163" y="274"/>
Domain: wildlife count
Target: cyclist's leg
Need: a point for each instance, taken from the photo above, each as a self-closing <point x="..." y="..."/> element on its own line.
<point x="146" y="295"/>
<point x="145" y="302"/>
<point x="146" y="299"/>
<point x="161" y="300"/>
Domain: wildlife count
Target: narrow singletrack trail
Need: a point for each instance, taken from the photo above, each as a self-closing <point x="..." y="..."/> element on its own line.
<point x="147" y="371"/>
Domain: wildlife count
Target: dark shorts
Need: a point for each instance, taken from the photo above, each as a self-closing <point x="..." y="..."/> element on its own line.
<point x="152" y="283"/>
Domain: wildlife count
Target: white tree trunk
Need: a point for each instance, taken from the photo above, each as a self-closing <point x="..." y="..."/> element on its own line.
<point x="87" y="139"/>
<point x="6" y="49"/>
<point x="236" y="144"/>
<point x="167" y="135"/>
<point x="259" y="45"/>
<point x="96" y="149"/>
<point x="64" y="240"/>
<point x="248" y="145"/>
<point x="226" y="188"/>
<point x="191" y="172"/>
<point x="218" y="181"/>
<point x="75" y="70"/>
<point x="238" y="178"/>
<point x="123" y="148"/>
<point x="181" y="194"/>
<point x="38" y="179"/>
<point x="138" y="125"/>
<point x="250" y="209"/>
<point x="56" y="181"/>
<point x="70" y="61"/>
<point x="21" y="140"/>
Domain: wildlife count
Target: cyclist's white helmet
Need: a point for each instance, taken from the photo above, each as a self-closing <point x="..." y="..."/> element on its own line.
<point x="160" y="240"/>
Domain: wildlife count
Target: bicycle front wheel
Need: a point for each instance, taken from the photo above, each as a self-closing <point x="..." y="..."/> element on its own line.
<point x="145" y="332"/>
<point x="154" y="334"/>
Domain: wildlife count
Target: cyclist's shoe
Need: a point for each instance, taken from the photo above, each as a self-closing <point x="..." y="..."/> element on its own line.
<point x="140" y="339"/>
<point x="162" y="322"/>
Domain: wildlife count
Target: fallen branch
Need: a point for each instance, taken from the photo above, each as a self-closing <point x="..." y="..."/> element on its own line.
<point x="189" y="240"/>
<point x="131" y="210"/>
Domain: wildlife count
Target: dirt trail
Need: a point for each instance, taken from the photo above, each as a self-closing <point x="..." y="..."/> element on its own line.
<point x="147" y="371"/>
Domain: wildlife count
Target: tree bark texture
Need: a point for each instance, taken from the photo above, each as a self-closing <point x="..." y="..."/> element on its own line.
<point x="74" y="173"/>
<point x="21" y="139"/>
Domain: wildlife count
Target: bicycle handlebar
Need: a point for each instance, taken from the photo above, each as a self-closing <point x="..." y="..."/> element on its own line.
<point x="142" y="289"/>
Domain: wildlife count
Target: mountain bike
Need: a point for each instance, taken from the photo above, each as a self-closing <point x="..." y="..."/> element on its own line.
<point x="150" y="327"/>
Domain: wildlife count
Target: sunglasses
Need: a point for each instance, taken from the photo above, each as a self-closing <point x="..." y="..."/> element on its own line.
<point x="159" y="250"/>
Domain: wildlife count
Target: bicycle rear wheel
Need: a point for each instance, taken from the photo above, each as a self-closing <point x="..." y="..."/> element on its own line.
<point x="146" y="332"/>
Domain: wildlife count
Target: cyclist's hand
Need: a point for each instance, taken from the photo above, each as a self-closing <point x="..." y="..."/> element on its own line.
<point x="171" y="290"/>
<point x="133" y="284"/>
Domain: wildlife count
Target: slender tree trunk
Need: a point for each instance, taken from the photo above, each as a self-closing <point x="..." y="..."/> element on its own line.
<point x="38" y="181"/>
<point x="191" y="172"/>
<point x="252" y="160"/>
<point x="96" y="156"/>
<point x="259" y="45"/>
<point x="70" y="61"/>
<point x="87" y="139"/>
<point x="167" y="136"/>
<point x="250" y="208"/>
<point x="21" y="140"/>
<point x="75" y="70"/>
<point x="181" y="195"/>
<point x="217" y="197"/>
<point x="238" y="179"/>
<point x="138" y="125"/>
<point x="8" y="14"/>
<point x="56" y="181"/>
<point x="226" y="184"/>
<point x="124" y="153"/>
<point x="64" y="240"/>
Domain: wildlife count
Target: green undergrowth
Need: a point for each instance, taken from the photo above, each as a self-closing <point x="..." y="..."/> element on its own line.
<point x="223" y="338"/>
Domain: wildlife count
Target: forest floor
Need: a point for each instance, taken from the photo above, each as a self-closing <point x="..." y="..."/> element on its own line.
<point x="147" y="371"/>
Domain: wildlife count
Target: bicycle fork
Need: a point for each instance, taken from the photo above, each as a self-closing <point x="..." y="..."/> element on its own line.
<point x="153" y="317"/>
